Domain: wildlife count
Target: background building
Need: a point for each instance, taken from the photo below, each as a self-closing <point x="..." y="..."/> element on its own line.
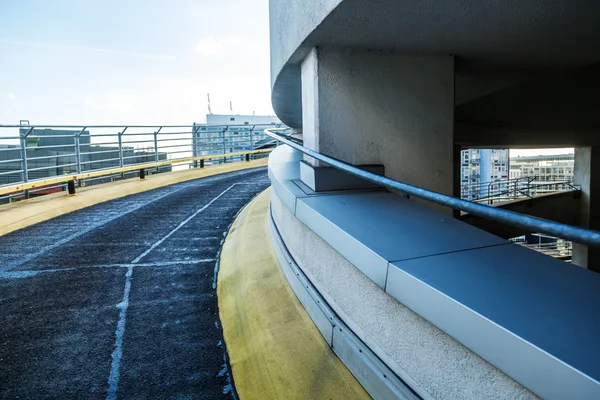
<point x="546" y="168"/>
<point x="228" y="133"/>
<point x="479" y="168"/>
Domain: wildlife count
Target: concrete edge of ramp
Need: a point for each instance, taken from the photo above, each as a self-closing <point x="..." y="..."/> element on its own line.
<point x="275" y="349"/>
<point x="24" y="213"/>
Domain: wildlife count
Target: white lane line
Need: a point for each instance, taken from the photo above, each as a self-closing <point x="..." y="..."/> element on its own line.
<point x="30" y="273"/>
<point x="113" y="379"/>
<point x="185" y="221"/>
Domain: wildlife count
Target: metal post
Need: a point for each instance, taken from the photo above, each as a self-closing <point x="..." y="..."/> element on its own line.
<point x="24" y="174"/>
<point x="142" y="173"/>
<point x="156" y="146"/>
<point x="252" y="139"/>
<point x="202" y="163"/>
<point x="247" y="156"/>
<point x="71" y="186"/>
<point x="121" y="163"/>
<point x="224" y="145"/>
<point x="195" y="144"/>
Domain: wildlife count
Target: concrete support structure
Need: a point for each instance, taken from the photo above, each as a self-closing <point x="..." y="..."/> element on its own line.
<point x="403" y="104"/>
<point x="587" y="163"/>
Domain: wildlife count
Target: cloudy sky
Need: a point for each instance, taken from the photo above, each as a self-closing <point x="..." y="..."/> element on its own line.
<point x="132" y="61"/>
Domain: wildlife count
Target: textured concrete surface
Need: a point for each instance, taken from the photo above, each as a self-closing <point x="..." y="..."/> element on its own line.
<point x="432" y="363"/>
<point x="403" y="104"/>
<point x="118" y="300"/>
<point x="587" y="175"/>
<point x="28" y="212"/>
<point x="275" y="350"/>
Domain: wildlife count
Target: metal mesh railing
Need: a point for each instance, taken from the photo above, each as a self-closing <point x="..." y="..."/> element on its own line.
<point x="36" y="152"/>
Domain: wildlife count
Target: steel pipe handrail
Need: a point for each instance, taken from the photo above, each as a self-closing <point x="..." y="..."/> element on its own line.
<point x="527" y="222"/>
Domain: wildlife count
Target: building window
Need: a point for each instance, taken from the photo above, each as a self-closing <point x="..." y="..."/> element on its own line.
<point x="245" y="122"/>
<point x="232" y="118"/>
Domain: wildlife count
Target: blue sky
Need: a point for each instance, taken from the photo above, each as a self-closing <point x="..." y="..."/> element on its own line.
<point x="132" y="61"/>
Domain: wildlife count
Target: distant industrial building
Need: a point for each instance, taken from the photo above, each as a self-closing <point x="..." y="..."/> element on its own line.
<point x="229" y="133"/>
<point x="52" y="152"/>
<point x="546" y="168"/>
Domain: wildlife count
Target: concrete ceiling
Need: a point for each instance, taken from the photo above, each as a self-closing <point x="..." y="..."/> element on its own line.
<point x="513" y="34"/>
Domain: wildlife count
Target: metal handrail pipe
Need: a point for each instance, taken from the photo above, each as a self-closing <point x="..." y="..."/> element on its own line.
<point x="11" y="149"/>
<point x="526" y="222"/>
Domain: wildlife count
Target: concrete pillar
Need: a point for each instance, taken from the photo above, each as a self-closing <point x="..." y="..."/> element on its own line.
<point x="587" y="175"/>
<point x="370" y="108"/>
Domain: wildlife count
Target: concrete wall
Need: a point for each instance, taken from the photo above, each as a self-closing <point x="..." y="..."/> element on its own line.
<point x="587" y="175"/>
<point x="432" y="363"/>
<point x="381" y="108"/>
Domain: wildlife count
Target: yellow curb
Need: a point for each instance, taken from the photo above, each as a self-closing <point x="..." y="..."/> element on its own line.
<point x="275" y="350"/>
<point x="24" y="213"/>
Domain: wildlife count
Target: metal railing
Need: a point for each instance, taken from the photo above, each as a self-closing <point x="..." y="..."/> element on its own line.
<point x="526" y="222"/>
<point x="514" y="189"/>
<point x="30" y="153"/>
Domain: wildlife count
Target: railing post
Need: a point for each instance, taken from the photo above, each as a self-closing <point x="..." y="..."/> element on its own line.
<point x="142" y="173"/>
<point x="195" y="144"/>
<point x="252" y="140"/>
<point x="156" y="146"/>
<point x="78" y="153"/>
<point x="224" y="145"/>
<point x="121" y="161"/>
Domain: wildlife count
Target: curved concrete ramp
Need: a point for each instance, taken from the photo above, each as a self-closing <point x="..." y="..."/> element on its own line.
<point x="275" y="350"/>
<point x="118" y="300"/>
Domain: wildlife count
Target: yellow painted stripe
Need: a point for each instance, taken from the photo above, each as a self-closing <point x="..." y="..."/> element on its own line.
<point x="28" y="212"/>
<point x="94" y="174"/>
<point x="275" y="350"/>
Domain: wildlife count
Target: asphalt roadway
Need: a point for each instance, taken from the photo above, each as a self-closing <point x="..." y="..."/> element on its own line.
<point x="118" y="300"/>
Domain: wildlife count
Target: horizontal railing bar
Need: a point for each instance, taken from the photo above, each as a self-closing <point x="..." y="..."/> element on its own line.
<point x="99" y="152"/>
<point x="13" y="172"/>
<point x="11" y="148"/>
<point x="100" y="161"/>
<point x="107" y="144"/>
<point x="51" y="136"/>
<point x="526" y="222"/>
<point x="176" y="145"/>
<point x="151" y="140"/>
<point x="51" y="167"/>
<point x="52" y="146"/>
<point x="173" y="139"/>
<point x="53" y="156"/>
<point x="13" y="160"/>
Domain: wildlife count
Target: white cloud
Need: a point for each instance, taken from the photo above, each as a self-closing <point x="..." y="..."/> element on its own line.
<point x="231" y="46"/>
<point x="12" y="96"/>
<point x="210" y="46"/>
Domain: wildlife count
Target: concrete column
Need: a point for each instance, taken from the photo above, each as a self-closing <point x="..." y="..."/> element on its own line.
<point x="587" y="175"/>
<point x="370" y="108"/>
